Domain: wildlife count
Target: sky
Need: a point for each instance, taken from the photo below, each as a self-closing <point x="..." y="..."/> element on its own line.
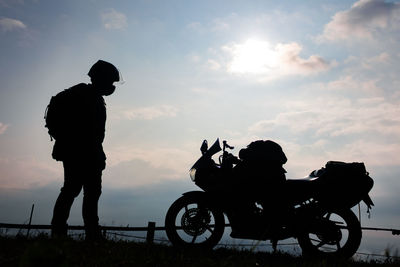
<point x="318" y="77"/>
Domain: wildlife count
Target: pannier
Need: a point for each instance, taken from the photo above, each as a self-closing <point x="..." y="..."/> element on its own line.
<point x="350" y="180"/>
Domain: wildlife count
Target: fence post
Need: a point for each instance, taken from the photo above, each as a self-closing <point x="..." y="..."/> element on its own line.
<point x="151" y="227"/>
<point x="30" y="220"/>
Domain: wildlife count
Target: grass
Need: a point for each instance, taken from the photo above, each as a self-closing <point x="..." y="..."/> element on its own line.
<point x="43" y="251"/>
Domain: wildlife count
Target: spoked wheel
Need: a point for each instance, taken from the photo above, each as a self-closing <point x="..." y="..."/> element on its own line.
<point x="191" y="222"/>
<point x="336" y="233"/>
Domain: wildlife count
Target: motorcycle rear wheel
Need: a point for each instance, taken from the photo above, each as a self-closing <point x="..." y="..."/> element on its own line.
<point x="336" y="234"/>
<point x="192" y="222"/>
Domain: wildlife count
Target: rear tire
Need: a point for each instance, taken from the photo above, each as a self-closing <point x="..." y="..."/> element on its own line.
<point x="336" y="234"/>
<point x="192" y="222"/>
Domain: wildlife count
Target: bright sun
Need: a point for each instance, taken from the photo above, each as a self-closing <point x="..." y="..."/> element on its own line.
<point x="253" y="56"/>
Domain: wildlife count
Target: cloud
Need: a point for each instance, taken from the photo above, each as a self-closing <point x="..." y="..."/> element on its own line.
<point x="350" y="84"/>
<point x="27" y="172"/>
<point x="195" y="58"/>
<point x="260" y="58"/>
<point x="213" y="64"/>
<point x="216" y="25"/>
<point x="220" y="24"/>
<point x="136" y="172"/>
<point x="114" y="20"/>
<point x="127" y="166"/>
<point x="3" y="128"/>
<point x="322" y="117"/>
<point x="363" y="20"/>
<point x="133" y="206"/>
<point x="176" y="160"/>
<point x="10" y="3"/>
<point x="150" y="113"/>
<point x="291" y="61"/>
<point x="365" y="76"/>
<point x="375" y="63"/>
<point x="9" y="25"/>
<point x="194" y="26"/>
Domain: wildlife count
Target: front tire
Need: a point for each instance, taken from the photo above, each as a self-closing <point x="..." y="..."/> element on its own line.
<point x="335" y="234"/>
<point x="192" y="222"/>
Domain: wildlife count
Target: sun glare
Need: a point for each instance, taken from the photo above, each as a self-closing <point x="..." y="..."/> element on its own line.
<point x="253" y="56"/>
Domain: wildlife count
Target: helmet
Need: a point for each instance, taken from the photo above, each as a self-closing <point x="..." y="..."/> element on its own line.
<point x="103" y="69"/>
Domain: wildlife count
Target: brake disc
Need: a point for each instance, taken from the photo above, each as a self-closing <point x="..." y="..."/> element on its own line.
<point x="330" y="233"/>
<point x="194" y="221"/>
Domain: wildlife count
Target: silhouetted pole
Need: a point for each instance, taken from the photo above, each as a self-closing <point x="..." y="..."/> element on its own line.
<point x="151" y="227"/>
<point x="30" y="220"/>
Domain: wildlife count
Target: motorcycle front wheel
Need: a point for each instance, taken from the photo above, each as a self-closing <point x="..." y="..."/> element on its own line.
<point x="192" y="222"/>
<point x="336" y="234"/>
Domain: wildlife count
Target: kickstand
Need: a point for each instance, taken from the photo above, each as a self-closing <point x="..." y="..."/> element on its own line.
<point x="274" y="244"/>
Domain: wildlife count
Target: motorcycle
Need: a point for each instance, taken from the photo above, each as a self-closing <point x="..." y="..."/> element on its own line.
<point x="317" y="210"/>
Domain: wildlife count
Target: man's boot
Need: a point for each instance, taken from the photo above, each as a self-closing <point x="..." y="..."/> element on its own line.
<point x="93" y="233"/>
<point x="59" y="231"/>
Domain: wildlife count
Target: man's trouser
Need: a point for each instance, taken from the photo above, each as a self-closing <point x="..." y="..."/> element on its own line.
<point x="79" y="174"/>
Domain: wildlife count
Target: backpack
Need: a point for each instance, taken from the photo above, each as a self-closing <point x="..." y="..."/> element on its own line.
<point x="58" y="110"/>
<point x="263" y="151"/>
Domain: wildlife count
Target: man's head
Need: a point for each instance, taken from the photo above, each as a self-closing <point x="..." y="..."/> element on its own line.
<point x="103" y="75"/>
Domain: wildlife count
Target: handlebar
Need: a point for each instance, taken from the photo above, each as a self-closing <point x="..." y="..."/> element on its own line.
<point x="226" y="156"/>
<point x="225" y="144"/>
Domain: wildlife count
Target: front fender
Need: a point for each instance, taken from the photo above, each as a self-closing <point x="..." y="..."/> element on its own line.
<point x="195" y="194"/>
<point x="204" y="197"/>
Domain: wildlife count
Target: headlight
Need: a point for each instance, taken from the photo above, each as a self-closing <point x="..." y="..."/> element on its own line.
<point x="192" y="174"/>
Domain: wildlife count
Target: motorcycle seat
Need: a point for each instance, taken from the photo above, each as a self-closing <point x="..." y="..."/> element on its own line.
<point x="301" y="188"/>
<point x="304" y="179"/>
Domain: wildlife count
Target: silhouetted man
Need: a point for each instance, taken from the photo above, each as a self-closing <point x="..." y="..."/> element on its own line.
<point x="79" y="146"/>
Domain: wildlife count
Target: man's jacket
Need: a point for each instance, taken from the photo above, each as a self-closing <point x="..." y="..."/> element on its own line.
<point x="83" y="126"/>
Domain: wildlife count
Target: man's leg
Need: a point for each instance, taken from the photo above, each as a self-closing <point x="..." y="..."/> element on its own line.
<point x="70" y="190"/>
<point x="91" y="195"/>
